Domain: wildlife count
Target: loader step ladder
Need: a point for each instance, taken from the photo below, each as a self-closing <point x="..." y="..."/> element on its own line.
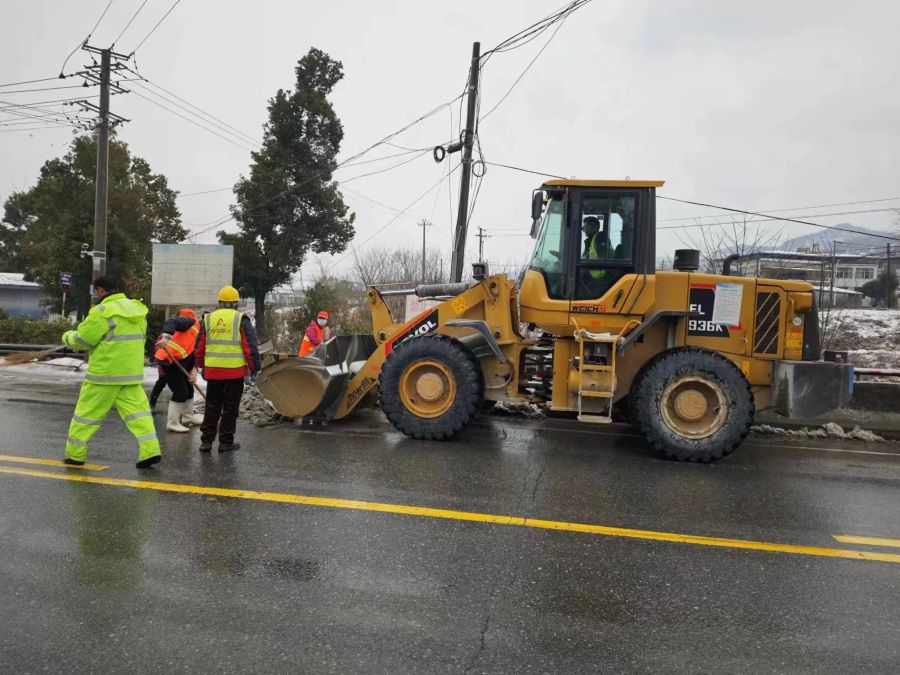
<point x="584" y="337"/>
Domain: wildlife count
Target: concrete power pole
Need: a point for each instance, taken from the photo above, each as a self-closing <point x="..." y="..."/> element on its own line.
<point x="481" y="237"/>
<point x="101" y="196"/>
<point x="423" y="224"/>
<point x="889" y="295"/>
<point x="102" y="74"/>
<point x="459" y="239"/>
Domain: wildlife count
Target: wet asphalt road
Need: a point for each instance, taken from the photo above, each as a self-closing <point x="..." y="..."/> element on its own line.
<point x="103" y="578"/>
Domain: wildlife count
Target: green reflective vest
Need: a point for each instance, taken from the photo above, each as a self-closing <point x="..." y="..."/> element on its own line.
<point x="113" y="333"/>
<point x="594" y="254"/>
<point x="223" y="339"/>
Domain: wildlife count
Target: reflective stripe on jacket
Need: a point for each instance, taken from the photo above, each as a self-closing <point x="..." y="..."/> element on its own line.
<point x="224" y="348"/>
<point x="113" y="332"/>
<point x="181" y="345"/>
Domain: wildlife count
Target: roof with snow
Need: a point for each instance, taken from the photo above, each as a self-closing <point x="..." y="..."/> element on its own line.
<point x="16" y="279"/>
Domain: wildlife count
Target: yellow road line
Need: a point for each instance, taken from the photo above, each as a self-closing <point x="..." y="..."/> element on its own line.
<point x="870" y="541"/>
<point x="401" y="509"/>
<point x="52" y="462"/>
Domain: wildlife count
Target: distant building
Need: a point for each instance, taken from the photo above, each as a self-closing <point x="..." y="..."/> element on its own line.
<point x="21" y="298"/>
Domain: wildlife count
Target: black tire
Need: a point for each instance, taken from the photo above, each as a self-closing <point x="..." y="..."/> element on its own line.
<point x="666" y="371"/>
<point x="467" y="376"/>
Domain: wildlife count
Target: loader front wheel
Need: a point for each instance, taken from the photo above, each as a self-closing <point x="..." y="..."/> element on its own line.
<point x="692" y="405"/>
<point x="431" y="387"/>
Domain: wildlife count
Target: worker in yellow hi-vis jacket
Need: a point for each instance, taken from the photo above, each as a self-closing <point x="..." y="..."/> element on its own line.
<point x="113" y="333"/>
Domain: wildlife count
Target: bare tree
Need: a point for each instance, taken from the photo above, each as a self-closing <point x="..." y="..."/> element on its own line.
<point x="716" y="242"/>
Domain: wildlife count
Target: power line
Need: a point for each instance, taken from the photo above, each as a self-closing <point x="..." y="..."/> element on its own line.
<point x="384" y="170"/>
<point x="527" y="68"/>
<point x="220" y="126"/>
<point x="527" y="34"/>
<point x="197" y="124"/>
<point x="38" y="128"/>
<point x="794" y="208"/>
<point x="212" y="117"/>
<point x="766" y="220"/>
<point x="133" y="17"/>
<point x="397" y="217"/>
<point x="381" y="159"/>
<point x="787" y="220"/>
<point x="56" y="100"/>
<point x="724" y="208"/>
<point x="16" y="84"/>
<point x="85" y="41"/>
<point x="205" y="192"/>
<point x="153" y="30"/>
<point x="518" y="168"/>
<point x="383" y="141"/>
<point x="68" y="86"/>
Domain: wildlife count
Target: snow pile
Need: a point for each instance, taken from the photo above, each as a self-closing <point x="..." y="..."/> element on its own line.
<point x="517" y="409"/>
<point x="830" y="430"/>
<point x="256" y="410"/>
<point x="872" y="336"/>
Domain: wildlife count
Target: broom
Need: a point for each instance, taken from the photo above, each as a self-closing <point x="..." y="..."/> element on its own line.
<point x="27" y="357"/>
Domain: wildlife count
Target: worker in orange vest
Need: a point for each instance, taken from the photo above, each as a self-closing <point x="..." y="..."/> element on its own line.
<point x="316" y="333"/>
<point x="177" y="343"/>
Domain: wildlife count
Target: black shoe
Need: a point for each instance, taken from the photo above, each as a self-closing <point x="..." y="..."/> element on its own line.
<point x="229" y="448"/>
<point x="206" y="447"/>
<point x="72" y="462"/>
<point x="150" y="461"/>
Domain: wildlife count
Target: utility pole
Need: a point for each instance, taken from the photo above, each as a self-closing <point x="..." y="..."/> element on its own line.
<point x="459" y="239"/>
<point x="102" y="74"/>
<point x="481" y="237"/>
<point x="423" y="224"/>
<point x="889" y="293"/>
<point x="102" y="190"/>
<point x="834" y="246"/>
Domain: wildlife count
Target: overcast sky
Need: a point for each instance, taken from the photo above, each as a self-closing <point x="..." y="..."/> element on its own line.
<point x="764" y="105"/>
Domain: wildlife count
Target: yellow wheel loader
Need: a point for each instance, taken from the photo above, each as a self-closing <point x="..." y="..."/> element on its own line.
<point x="685" y="357"/>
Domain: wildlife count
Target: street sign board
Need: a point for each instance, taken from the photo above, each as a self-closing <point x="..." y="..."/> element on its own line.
<point x="65" y="279"/>
<point x="190" y="274"/>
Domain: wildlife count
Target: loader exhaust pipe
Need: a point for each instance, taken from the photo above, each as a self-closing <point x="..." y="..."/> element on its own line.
<point x="431" y="290"/>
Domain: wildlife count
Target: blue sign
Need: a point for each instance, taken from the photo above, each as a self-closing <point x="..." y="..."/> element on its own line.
<point x="65" y="279"/>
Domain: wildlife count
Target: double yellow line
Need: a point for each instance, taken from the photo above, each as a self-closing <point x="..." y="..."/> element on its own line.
<point x="426" y="512"/>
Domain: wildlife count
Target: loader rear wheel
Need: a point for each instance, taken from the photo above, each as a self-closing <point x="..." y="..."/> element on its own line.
<point x="431" y="387"/>
<point x="692" y="405"/>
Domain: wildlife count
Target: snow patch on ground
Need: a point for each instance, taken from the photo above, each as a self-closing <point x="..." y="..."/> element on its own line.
<point x="872" y="336"/>
<point x="830" y="430"/>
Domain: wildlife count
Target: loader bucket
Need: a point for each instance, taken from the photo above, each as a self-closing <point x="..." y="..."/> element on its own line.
<point x="302" y="386"/>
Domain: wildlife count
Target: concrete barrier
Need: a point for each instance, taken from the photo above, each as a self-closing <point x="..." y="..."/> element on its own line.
<point x="876" y="397"/>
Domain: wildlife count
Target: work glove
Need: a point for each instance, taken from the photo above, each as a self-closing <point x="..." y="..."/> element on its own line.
<point x="66" y="350"/>
<point x="251" y="378"/>
<point x="163" y="340"/>
<point x="192" y="377"/>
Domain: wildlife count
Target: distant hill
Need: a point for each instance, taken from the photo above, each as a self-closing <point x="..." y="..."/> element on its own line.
<point x="824" y="239"/>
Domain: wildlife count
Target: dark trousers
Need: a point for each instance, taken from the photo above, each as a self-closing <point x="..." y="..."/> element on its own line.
<point x="223" y="399"/>
<point x="157" y="388"/>
<point x="182" y="390"/>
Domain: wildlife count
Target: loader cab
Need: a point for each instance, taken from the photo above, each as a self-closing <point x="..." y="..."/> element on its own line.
<point x="589" y="234"/>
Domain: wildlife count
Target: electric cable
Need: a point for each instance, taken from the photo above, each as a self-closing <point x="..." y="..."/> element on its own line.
<point x="133" y="17"/>
<point x="153" y="30"/>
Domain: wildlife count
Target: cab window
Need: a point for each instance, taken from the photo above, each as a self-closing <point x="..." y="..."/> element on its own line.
<point x="547" y="257"/>
<point x="606" y="243"/>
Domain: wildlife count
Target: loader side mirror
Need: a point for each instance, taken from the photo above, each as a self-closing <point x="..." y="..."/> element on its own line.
<point x="537" y="207"/>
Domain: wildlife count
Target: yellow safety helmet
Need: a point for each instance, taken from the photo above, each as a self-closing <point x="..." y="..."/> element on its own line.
<point x="229" y="294"/>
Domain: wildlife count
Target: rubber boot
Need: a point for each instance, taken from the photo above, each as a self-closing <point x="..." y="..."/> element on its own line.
<point x="189" y="417"/>
<point x="174" y="416"/>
